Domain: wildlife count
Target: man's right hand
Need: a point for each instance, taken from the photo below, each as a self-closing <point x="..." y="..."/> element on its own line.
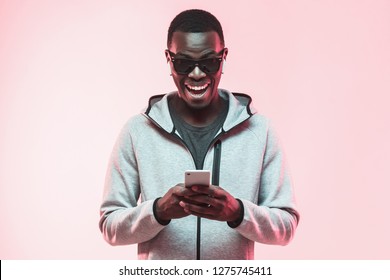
<point x="168" y="207"/>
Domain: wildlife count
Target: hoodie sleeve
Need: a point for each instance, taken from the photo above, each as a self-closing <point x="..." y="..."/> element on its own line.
<point x="122" y="220"/>
<point x="274" y="219"/>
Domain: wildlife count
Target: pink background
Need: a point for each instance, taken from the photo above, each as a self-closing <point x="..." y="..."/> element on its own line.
<point x="72" y="72"/>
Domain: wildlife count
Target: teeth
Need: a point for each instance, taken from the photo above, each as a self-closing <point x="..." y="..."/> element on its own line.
<point x="197" y="87"/>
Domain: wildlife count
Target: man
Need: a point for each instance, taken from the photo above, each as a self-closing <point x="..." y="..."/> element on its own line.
<point x="197" y="127"/>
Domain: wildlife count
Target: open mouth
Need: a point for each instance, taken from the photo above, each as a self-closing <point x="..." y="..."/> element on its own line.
<point x="197" y="91"/>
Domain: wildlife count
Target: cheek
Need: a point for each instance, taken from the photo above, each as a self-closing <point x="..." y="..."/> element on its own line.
<point x="179" y="82"/>
<point x="215" y="79"/>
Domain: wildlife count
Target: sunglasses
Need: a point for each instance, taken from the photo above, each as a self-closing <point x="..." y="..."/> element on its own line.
<point x="184" y="66"/>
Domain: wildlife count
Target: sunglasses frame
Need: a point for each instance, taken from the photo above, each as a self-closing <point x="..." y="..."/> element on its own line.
<point x="197" y="62"/>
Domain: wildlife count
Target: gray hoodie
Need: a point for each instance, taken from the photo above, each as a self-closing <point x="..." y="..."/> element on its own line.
<point x="149" y="158"/>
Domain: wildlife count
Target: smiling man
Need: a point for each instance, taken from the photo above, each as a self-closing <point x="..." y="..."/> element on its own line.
<point x="199" y="126"/>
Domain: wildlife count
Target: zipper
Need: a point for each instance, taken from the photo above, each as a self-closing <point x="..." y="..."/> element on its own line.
<point x="216" y="162"/>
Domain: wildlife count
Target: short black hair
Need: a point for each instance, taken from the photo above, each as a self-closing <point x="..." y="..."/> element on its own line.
<point x="195" y="21"/>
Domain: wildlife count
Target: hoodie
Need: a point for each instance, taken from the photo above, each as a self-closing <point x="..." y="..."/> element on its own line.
<point x="149" y="158"/>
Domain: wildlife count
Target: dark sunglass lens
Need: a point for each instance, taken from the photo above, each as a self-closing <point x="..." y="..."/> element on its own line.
<point x="183" y="66"/>
<point x="210" y="65"/>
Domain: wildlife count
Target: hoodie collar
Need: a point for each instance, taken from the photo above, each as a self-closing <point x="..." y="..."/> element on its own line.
<point x="239" y="110"/>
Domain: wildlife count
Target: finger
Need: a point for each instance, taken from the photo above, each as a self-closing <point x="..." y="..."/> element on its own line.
<point x="188" y="200"/>
<point x="197" y="210"/>
<point x="183" y="191"/>
<point x="203" y="189"/>
<point x="200" y="199"/>
<point x="212" y="191"/>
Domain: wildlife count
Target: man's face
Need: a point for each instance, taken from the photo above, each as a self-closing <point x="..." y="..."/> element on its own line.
<point x="198" y="89"/>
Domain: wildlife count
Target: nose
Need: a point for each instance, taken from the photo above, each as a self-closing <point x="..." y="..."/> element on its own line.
<point x="196" y="73"/>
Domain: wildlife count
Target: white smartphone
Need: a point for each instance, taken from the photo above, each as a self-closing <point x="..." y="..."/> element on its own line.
<point x="197" y="177"/>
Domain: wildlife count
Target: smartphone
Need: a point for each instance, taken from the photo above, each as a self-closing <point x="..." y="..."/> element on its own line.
<point x="197" y="177"/>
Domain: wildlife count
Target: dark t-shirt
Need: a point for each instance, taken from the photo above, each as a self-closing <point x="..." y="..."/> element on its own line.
<point x="198" y="139"/>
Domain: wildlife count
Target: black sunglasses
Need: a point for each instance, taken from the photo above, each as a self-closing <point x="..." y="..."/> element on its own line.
<point x="184" y="66"/>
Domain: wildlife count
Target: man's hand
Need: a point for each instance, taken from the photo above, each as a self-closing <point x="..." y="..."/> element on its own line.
<point x="168" y="206"/>
<point x="212" y="202"/>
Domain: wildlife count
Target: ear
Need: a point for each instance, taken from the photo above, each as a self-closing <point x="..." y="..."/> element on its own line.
<point x="224" y="59"/>
<point x="167" y="56"/>
<point x="225" y="53"/>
